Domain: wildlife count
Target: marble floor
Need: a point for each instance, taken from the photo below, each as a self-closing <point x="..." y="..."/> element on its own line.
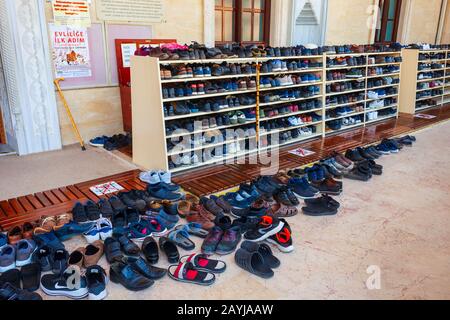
<point x="396" y="226"/>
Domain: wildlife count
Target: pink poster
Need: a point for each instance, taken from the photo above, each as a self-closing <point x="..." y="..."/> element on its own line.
<point x="70" y="46"/>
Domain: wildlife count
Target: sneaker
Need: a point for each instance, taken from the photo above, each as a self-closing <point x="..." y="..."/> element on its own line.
<point x="283" y="239"/>
<point x="44" y="257"/>
<point x="96" y="279"/>
<point x="10" y="292"/>
<point x="24" y="252"/>
<point x="65" y="285"/>
<point x="230" y="240"/>
<point x="128" y="277"/>
<point x="7" y="258"/>
<point x="211" y="242"/>
<point x="79" y="213"/>
<point x="302" y="188"/>
<point x="60" y="258"/>
<point x="268" y="226"/>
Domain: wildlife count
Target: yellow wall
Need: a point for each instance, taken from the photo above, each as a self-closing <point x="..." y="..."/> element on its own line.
<point x="347" y="22"/>
<point x="98" y="111"/>
<point x="424" y="21"/>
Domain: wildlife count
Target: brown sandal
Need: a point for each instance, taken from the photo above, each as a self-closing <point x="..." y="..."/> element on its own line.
<point x="281" y="211"/>
<point x="46" y="225"/>
<point x="184" y="208"/>
<point x="62" y="220"/>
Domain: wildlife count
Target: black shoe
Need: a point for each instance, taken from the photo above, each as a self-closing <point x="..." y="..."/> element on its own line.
<point x="119" y="220"/>
<point x="325" y="206"/>
<point x="128" y="277"/>
<point x="324" y="200"/>
<point x="92" y="211"/>
<point x="128" y="246"/>
<point x="132" y="216"/>
<point x="31" y="276"/>
<point x="267" y="227"/>
<point x="117" y="204"/>
<point x="60" y="258"/>
<point x="354" y="156"/>
<point x="150" y="250"/>
<point x="265" y="251"/>
<point x="364" y="154"/>
<point x="283" y="239"/>
<point x="79" y="213"/>
<point x="222" y="221"/>
<point x="170" y="249"/>
<point x="59" y="285"/>
<point x="246" y="223"/>
<point x="375" y="168"/>
<point x="44" y="257"/>
<point x="105" y="208"/>
<point x="112" y="250"/>
<point x="96" y="280"/>
<point x="144" y="268"/>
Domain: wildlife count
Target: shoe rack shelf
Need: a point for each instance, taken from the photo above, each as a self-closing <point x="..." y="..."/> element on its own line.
<point x="364" y="103"/>
<point x="150" y="140"/>
<point x="413" y="59"/>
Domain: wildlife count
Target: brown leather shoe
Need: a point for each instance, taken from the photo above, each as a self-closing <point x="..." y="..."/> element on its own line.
<point x="15" y="235"/>
<point x="28" y="229"/>
<point x="76" y="258"/>
<point x="195" y="216"/>
<point x="204" y="212"/>
<point x="93" y="253"/>
<point x="282" y="177"/>
<point x="184" y="208"/>
<point x="279" y="210"/>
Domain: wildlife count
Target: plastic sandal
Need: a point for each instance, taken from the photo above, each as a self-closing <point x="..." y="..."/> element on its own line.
<point x="31" y="276"/>
<point x="203" y="263"/>
<point x="282" y="211"/>
<point x="194" y="229"/>
<point x="186" y="272"/>
<point x="253" y="262"/>
<point x="170" y="249"/>
<point x="264" y="250"/>
<point x="181" y="238"/>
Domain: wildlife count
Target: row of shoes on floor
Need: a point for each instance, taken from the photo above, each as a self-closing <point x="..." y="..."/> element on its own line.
<point x="112" y="143"/>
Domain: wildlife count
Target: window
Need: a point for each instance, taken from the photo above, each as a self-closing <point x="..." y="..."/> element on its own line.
<point x="390" y="16"/>
<point x="246" y="21"/>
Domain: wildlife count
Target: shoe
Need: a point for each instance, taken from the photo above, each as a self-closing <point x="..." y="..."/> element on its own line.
<point x="268" y="226"/>
<point x="264" y="250"/>
<point x="96" y="279"/>
<point x="106" y="208"/>
<point x="72" y="229"/>
<point x="9" y="292"/>
<point x="93" y="253"/>
<point x="229" y="241"/>
<point x="150" y="250"/>
<point x="170" y="249"/>
<point x="44" y="257"/>
<point x="60" y="259"/>
<point x="7" y="258"/>
<point x="24" y="252"/>
<point x="128" y="247"/>
<point x="79" y="213"/>
<point x="112" y="250"/>
<point x="158" y="191"/>
<point x="354" y="156"/>
<point x="283" y="239"/>
<point x="145" y="269"/>
<point x="128" y="277"/>
<point x="92" y="211"/>
<point x="253" y="262"/>
<point x="320" y="208"/>
<point x="211" y="242"/>
<point x="105" y="229"/>
<point x="30" y="275"/>
<point x="64" y="285"/>
<point x="48" y="239"/>
<point x="117" y="204"/>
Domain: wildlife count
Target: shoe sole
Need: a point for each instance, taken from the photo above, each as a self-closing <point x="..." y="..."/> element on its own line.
<point x="306" y="198"/>
<point x="7" y="268"/>
<point x="191" y="282"/>
<point x="99" y="297"/>
<point x="281" y="248"/>
<point x="269" y="234"/>
<point x="96" y="145"/>
<point x="82" y="293"/>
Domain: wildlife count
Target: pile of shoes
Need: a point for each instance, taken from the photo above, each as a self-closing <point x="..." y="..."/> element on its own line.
<point x="115" y="142"/>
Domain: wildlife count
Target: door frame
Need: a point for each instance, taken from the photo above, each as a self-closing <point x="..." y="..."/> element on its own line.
<point x="2" y="128"/>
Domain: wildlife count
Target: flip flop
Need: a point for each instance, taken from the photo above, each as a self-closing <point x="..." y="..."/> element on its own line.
<point x="186" y="272"/>
<point x="203" y="263"/>
<point x="170" y="249"/>
<point x="31" y="277"/>
<point x="181" y="238"/>
<point x="194" y="229"/>
<point x="11" y="276"/>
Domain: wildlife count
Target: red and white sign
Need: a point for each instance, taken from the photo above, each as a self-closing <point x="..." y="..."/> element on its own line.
<point x="106" y="188"/>
<point x="302" y="152"/>
<point x="425" y="116"/>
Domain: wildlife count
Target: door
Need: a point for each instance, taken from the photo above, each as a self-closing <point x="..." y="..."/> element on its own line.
<point x="309" y="22"/>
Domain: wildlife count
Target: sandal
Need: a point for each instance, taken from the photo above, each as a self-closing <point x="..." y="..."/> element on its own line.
<point x="62" y="220"/>
<point x="46" y="225"/>
<point x="194" y="229"/>
<point x="170" y="249"/>
<point x="181" y="238"/>
<point x="254" y="263"/>
<point x="264" y="250"/>
<point x="31" y="276"/>
<point x="203" y="263"/>
<point x="186" y="272"/>
<point x="184" y="208"/>
<point x="281" y="211"/>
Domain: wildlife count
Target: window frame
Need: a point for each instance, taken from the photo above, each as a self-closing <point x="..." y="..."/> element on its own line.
<point x="238" y="13"/>
<point x="380" y="34"/>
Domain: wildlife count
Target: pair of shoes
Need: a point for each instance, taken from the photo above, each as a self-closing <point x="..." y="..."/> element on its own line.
<point x="151" y="251"/>
<point x="134" y="274"/>
<point x="98" y="141"/>
<point x="198" y="214"/>
<point x="18" y="233"/>
<point x="101" y="230"/>
<point x="221" y="241"/>
<point x="123" y="218"/>
<point x="197" y="269"/>
<point x="27" y="278"/>
<point x="88" y="256"/>
<point x="267" y="227"/>
<point x="285" y="196"/>
<point x="280" y="210"/>
<point x="115" y="249"/>
<point x="323" y="206"/>
<point x="156" y="177"/>
<point x="87" y="212"/>
<point x="163" y="191"/>
<point x="92" y="284"/>
<point x="17" y="255"/>
<point x="257" y="259"/>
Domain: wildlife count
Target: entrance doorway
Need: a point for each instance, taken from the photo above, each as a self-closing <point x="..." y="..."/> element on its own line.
<point x="309" y="22"/>
<point x="7" y="137"/>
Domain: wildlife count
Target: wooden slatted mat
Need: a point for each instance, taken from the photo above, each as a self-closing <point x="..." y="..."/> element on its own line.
<point x="211" y="179"/>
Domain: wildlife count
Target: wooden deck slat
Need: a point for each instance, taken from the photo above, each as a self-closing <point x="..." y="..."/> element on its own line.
<point x="61" y="197"/>
<point x="17" y="206"/>
<point x="43" y="199"/>
<point x="25" y="204"/>
<point x="68" y="194"/>
<point x="52" y="197"/>
<point x="7" y="209"/>
<point x="34" y="201"/>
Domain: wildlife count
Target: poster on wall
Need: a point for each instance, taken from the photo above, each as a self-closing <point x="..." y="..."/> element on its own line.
<point x="70" y="51"/>
<point x="151" y="11"/>
<point x="73" y="13"/>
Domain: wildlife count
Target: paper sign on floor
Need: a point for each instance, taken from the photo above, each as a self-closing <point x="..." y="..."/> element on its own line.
<point x="302" y="152"/>
<point x="425" y="116"/>
<point x="106" y="188"/>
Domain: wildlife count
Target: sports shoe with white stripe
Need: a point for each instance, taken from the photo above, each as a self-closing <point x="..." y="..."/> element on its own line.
<point x="283" y="239"/>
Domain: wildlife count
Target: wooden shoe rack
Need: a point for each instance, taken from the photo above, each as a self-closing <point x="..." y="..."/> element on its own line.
<point x="412" y="81"/>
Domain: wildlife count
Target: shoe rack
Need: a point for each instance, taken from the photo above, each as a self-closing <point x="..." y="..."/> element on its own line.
<point x="362" y="107"/>
<point x="413" y="83"/>
<point x="150" y="140"/>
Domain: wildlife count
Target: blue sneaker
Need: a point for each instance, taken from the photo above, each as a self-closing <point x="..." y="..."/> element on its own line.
<point x="3" y="240"/>
<point x="302" y="188"/>
<point x="166" y="219"/>
<point x="72" y="229"/>
<point x="160" y="192"/>
<point x="48" y="239"/>
<point x="237" y="201"/>
<point x="383" y="148"/>
<point x="99" y="141"/>
<point x="96" y="279"/>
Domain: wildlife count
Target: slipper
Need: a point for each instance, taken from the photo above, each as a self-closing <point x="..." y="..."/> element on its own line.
<point x="170" y="249"/>
<point x="31" y="277"/>
<point x="181" y="238"/>
<point x="282" y="211"/>
<point x="11" y="276"/>
<point x="150" y="250"/>
<point x="194" y="229"/>
<point x="186" y="272"/>
<point x="254" y="263"/>
<point x="265" y="252"/>
<point x="184" y="208"/>
<point x="203" y="263"/>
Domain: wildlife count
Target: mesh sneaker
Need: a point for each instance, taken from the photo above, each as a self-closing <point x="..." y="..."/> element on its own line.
<point x="283" y="239"/>
<point x="65" y="285"/>
<point x="268" y="226"/>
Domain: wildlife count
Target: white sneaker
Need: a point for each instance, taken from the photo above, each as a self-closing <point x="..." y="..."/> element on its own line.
<point x="105" y="228"/>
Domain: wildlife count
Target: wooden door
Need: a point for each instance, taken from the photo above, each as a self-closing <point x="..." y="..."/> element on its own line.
<point x="2" y="129"/>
